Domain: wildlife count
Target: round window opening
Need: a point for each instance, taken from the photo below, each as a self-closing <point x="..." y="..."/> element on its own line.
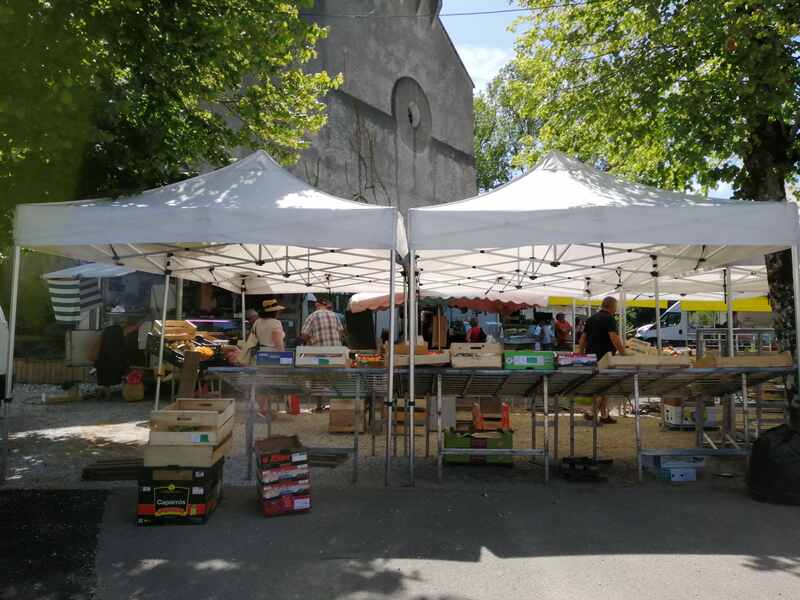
<point x="414" y="115"/>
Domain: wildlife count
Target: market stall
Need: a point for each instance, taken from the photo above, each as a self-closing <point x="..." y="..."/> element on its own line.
<point x="249" y="227"/>
<point x="569" y="227"/>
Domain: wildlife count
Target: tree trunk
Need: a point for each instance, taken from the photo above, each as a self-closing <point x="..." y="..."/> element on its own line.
<point x="765" y="171"/>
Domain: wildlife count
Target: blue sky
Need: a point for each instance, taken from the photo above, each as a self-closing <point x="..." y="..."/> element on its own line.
<point x="483" y="41"/>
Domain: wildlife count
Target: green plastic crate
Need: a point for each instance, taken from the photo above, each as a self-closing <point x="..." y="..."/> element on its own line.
<point x="517" y="360"/>
<point x="491" y="440"/>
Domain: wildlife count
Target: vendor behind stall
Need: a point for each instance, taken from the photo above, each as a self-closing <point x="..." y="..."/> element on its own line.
<point x="600" y="337"/>
<point x="322" y="327"/>
<point x="110" y="359"/>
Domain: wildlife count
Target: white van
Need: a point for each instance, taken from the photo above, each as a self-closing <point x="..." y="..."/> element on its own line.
<point x="679" y="327"/>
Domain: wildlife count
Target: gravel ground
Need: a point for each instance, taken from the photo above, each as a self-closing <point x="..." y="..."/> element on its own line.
<point x="51" y="444"/>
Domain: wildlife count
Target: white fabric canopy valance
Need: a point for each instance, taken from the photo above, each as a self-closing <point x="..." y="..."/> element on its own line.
<point x="248" y="224"/>
<point x="570" y="229"/>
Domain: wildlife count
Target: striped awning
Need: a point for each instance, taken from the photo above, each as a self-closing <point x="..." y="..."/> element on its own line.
<point x="71" y="297"/>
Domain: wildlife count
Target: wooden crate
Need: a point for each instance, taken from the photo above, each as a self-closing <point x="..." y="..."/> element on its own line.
<point x="774" y="359"/>
<point x="322" y="356"/>
<point x="163" y="435"/>
<point x="187" y="413"/>
<point x="342" y="413"/>
<point x="476" y="356"/>
<point x="645" y="361"/>
<point x="176" y="330"/>
<point x="186" y="456"/>
<point x="420" y="360"/>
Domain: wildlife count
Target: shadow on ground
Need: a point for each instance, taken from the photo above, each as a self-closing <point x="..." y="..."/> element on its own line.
<point x="470" y="543"/>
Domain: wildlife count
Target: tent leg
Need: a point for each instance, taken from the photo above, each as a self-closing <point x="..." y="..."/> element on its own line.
<point x="574" y="323"/>
<point x="160" y="374"/>
<point x="412" y="347"/>
<point x="12" y="332"/>
<point x="179" y="298"/>
<point x="729" y="308"/>
<point x="244" y="321"/>
<point x="389" y="400"/>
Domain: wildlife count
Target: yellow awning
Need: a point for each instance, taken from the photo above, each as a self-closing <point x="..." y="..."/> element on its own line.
<point x="567" y="301"/>
<point x="756" y="304"/>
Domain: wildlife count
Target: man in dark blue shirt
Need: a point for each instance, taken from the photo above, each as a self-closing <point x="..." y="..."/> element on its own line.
<point x="600" y="336"/>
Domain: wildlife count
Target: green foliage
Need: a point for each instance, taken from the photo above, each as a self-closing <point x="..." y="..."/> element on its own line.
<point x="669" y="92"/>
<point x="104" y="97"/>
<point x="498" y="130"/>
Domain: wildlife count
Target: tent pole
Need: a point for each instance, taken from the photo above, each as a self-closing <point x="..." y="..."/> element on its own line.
<point x="179" y="299"/>
<point x="160" y="374"/>
<point x="729" y="308"/>
<point x="794" y="402"/>
<point x="411" y="302"/>
<point x="405" y="308"/>
<point x="389" y="400"/>
<point x="244" y="321"/>
<point x="623" y="314"/>
<point x="657" y="297"/>
<point x="12" y="332"/>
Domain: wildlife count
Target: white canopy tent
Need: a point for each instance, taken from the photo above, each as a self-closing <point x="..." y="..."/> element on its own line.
<point x="250" y="227"/>
<point x="569" y="227"/>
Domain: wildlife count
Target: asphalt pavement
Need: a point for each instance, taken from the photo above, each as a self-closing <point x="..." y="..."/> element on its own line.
<point x="466" y="541"/>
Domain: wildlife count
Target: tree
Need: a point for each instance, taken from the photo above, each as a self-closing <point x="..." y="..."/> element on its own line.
<point x="673" y="93"/>
<point x="498" y="130"/>
<point x="103" y="97"/>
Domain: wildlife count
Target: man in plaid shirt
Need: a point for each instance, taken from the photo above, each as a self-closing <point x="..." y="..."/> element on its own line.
<point x="322" y="327"/>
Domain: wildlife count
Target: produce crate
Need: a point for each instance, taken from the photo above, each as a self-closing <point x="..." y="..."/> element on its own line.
<point x="342" y="414"/>
<point x="176" y="330"/>
<point x="647" y="361"/>
<point x="370" y="361"/>
<point x="490" y="440"/>
<point x="286" y="505"/>
<point x="573" y="359"/>
<point x="674" y="417"/>
<point x="476" y="356"/>
<point x="774" y="359"/>
<point x="529" y="359"/>
<point x="403" y="348"/>
<point x="322" y="356"/>
<point x="421" y="360"/>
<point x="186" y="413"/>
<point x="180" y="435"/>
<point x="290" y="487"/>
<point x="187" y="456"/>
<point x="178" y="494"/>
<point x="678" y="475"/>
<point x="275" y="359"/>
<point x="280" y="450"/>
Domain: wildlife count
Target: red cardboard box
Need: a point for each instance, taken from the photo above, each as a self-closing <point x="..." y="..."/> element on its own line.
<point x="285" y="505"/>
<point x="270" y="491"/>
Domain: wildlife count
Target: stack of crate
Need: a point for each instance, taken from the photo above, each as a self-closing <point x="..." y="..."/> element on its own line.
<point x="284" y="484"/>
<point x="420" y="417"/>
<point x="181" y="480"/>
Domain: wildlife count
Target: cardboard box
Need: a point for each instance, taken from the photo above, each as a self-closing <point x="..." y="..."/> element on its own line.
<point x="678" y="475"/>
<point x="775" y="359"/>
<point x="186" y="456"/>
<point x="344" y="420"/>
<point x="285" y="505"/>
<point x="179" y="495"/>
<point x="573" y="359"/>
<point x="283" y="473"/>
<point x="529" y="359"/>
<point x="176" y="330"/>
<point x="275" y="359"/>
<point x="402" y="348"/>
<point x="322" y="356"/>
<point x="295" y="487"/>
<point x="489" y="440"/>
<point x="476" y="356"/>
<point x="187" y="413"/>
<point x="673" y="414"/>
<point x="280" y="450"/>
<point x="420" y="360"/>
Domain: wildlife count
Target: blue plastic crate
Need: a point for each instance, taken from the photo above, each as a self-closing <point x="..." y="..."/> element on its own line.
<point x="275" y="359"/>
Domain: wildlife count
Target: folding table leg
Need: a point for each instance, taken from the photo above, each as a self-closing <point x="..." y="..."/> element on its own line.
<point x="249" y="434"/>
<point x="637" y="424"/>
<point x="545" y="394"/>
<point x="745" y="410"/>
<point x="572" y="426"/>
<point x="594" y="427"/>
<point x="355" y="429"/>
<point x="439" y="443"/>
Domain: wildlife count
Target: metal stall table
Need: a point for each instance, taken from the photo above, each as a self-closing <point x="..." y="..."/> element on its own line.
<point x="326" y="382"/>
<point x="468" y="383"/>
<point x="701" y="382"/>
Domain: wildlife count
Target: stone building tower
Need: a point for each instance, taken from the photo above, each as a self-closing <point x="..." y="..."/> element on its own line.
<point x="399" y="129"/>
